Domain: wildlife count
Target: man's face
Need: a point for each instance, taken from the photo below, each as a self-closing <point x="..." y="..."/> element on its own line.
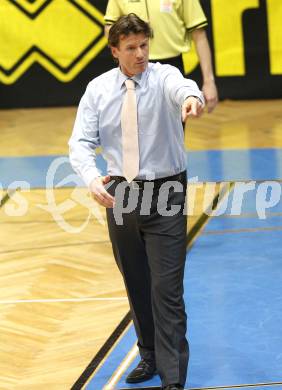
<point x="132" y="53"/>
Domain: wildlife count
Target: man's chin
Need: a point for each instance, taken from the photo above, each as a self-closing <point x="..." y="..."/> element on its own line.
<point x="142" y="66"/>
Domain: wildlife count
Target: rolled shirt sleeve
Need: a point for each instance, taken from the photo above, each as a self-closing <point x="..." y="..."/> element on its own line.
<point x="85" y="139"/>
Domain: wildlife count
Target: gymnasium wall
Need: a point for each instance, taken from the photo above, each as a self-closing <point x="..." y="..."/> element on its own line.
<point x="51" y="49"/>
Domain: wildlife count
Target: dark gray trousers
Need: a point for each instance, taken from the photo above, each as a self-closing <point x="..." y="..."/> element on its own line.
<point x="150" y="251"/>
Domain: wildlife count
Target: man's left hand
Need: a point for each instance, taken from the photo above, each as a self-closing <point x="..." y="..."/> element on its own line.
<point x="191" y="107"/>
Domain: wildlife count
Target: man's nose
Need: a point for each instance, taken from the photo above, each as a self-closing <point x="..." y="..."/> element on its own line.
<point x="139" y="52"/>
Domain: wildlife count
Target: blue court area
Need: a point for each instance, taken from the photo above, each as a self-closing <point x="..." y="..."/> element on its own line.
<point x="233" y="295"/>
<point x="223" y="165"/>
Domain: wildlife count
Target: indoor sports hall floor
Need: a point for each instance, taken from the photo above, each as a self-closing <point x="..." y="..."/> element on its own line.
<point x="64" y="320"/>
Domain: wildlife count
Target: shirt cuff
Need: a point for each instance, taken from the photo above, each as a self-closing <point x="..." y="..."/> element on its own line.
<point x="91" y="175"/>
<point x="200" y="97"/>
<point x="189" y="88"/>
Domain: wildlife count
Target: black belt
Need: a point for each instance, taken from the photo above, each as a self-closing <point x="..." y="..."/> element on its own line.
<point x="139" y="183"/>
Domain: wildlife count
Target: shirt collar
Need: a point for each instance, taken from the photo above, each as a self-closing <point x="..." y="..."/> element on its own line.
<point x="139" y="78"/>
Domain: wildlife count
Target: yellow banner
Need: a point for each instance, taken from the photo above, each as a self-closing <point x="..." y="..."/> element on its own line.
<point x="63" y="37"/>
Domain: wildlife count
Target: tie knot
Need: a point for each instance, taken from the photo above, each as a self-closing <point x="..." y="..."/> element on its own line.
<point x="130" y="84"/>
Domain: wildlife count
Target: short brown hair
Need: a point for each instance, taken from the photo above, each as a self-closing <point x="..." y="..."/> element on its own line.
<point x="126" y="25"/>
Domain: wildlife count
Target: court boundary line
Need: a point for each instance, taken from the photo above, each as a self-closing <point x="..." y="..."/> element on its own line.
<point x="249" y="215"/>
<point x="243" y="230"/>
<point x="7" y="197"/>
<point x="204" y="217"/>
<point x="129" y="358"/>
<point x="102" y="353"/>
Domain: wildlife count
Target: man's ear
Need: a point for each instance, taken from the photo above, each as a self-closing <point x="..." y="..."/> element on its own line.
<point x="114" y="51"/>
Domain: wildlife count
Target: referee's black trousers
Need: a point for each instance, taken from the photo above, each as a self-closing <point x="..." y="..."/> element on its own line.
<point x="150" y="251"/>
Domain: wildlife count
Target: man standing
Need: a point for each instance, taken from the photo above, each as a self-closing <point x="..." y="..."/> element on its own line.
<point x="134" y="113"/>
<point x="174" y="23"/>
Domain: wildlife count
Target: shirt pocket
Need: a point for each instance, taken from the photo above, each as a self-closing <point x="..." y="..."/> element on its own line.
<point x="148" y="123"/>
<point x="149" y="110"/>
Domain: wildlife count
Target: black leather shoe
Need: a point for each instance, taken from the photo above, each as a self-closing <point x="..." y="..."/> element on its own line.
<point x="173" y="387"/>
<point x="145" y="370"/>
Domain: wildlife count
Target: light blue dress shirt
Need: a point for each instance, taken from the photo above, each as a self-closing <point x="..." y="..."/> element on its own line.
<point x="160" y="92"/>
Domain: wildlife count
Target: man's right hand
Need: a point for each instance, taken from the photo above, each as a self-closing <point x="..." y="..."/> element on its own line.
<point x="99" y="193"/>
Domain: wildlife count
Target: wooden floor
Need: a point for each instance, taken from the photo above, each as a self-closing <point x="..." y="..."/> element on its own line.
<point x="233" y="125"/>
<point x="61" y="293"/>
